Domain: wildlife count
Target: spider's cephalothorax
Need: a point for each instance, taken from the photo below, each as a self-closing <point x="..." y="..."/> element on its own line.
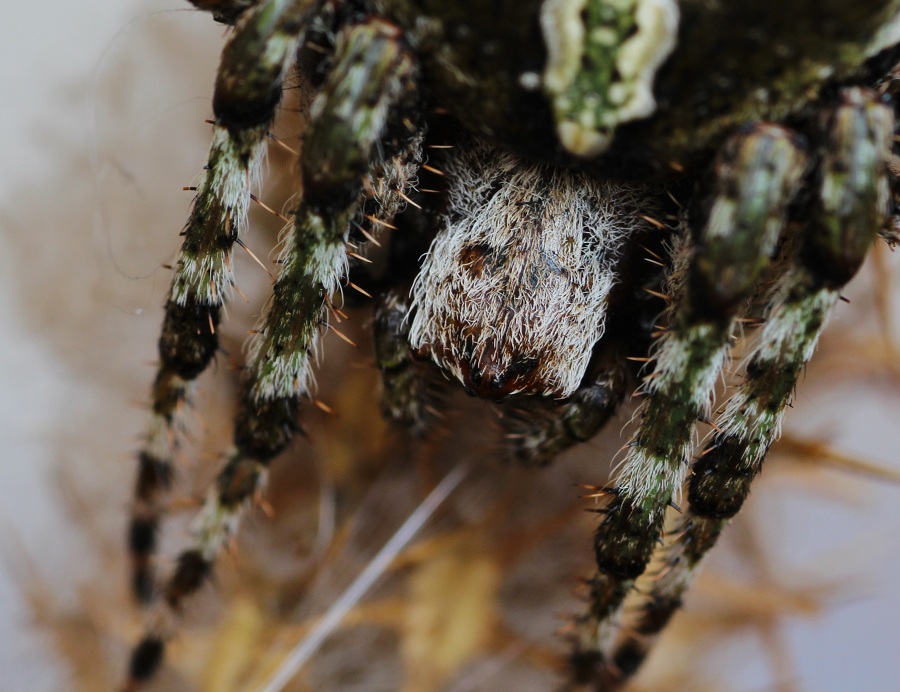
<point x="513" y="294"/>
<point x="759" y="117"/>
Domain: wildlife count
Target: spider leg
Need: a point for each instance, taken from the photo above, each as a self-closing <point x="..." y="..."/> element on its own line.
<point x="244" y="106"/>
<point x="408" y="394"/>
<point x="370" y="90"/>
<point x="538" y="435"/>
<point x="889" y="85"/>
<point x="224" y="11"/>
<point x="756" y="177"/>
<point x="850" y="209"/>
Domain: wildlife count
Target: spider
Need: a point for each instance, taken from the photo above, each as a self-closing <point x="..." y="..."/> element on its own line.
<point x="748" y="149"/>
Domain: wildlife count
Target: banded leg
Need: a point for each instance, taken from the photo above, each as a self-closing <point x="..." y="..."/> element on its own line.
<point x="370" y="89"/>
<point x="757" y="175"/>
<point x="851" y="208"/>
<point x="244" y="106"/>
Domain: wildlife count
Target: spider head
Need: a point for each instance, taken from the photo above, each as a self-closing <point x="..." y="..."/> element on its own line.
<point x="513" y="294"/>
<point x="488" y="373"/>
<point x="509" y="322"/>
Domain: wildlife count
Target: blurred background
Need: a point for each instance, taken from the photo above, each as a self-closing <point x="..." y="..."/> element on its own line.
<point x="103" y="124"/>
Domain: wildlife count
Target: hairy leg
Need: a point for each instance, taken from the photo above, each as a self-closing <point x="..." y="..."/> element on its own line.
<point x="757" y="175"/>
<point x="371" y="86"/>
<point x="850" y="210"/>
<point x="244" y="109"/>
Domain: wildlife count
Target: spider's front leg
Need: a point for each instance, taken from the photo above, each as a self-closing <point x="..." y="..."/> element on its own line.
<point x="756" y="177"/>
<point x="368" y="104"/>
<point x="244" y="105"/>
<point x="851" y="207"/>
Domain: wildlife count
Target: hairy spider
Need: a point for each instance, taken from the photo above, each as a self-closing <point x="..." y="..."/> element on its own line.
<point x="745" y="146"/>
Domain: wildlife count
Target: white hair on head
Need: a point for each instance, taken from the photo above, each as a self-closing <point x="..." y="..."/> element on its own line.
<point x="517" y="281"/>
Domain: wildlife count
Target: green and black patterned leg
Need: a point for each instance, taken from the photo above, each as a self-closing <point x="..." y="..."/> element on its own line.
<point x="851" y="208"/>
<point x="369" y="94"/>
<point x="757" y="175"/>
<point x="244" y="106"/>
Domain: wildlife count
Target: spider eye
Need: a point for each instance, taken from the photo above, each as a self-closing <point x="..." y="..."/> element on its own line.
<point x="492" y="375"/>
<point x="471" y="376"/>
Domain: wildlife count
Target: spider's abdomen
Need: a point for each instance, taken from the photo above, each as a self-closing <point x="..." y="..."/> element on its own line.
<point x="632" y="83"/>
<point x="513" y="294"/>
